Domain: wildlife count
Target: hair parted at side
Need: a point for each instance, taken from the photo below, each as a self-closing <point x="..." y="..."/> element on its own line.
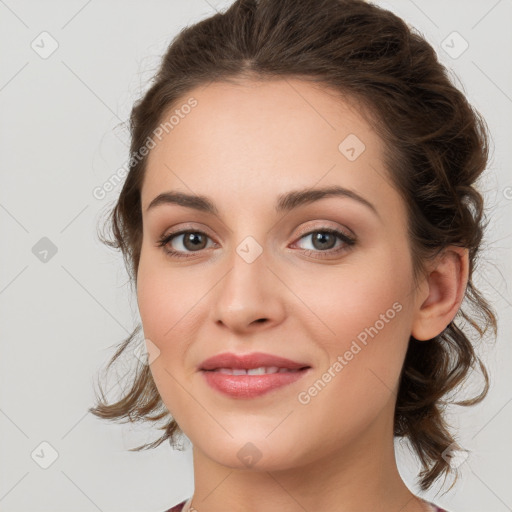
<point x="436" y="149"/>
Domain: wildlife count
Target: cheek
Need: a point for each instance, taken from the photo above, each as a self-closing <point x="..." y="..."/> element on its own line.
<point x="343" y="301"/>
<point x="163" y="297"/>
<point x="365" y="326"/>
<point x="152" y="301"/>
<point x="162" y="302"/>
<point x="365" y="357"/>
<point x="171" y="306"/>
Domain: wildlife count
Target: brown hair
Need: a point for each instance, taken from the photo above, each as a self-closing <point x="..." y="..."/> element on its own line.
<point x="437" y="147"/>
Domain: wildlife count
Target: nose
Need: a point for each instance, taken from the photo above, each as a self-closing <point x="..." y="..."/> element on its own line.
<point x="249" y="297"/>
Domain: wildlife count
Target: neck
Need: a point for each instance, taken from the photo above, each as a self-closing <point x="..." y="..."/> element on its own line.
<point x="360" y="476"/>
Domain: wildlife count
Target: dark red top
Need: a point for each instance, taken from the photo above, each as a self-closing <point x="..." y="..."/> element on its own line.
<point x="179" y="507"/>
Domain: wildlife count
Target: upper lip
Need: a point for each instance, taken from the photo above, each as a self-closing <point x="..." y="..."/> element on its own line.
<point x="249" y="361"/>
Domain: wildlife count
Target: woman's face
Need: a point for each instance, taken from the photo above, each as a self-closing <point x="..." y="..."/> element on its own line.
<point x="262" y="274"/>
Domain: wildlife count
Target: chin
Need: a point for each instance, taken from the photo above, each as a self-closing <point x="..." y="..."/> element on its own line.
<point x="255" y="452"/>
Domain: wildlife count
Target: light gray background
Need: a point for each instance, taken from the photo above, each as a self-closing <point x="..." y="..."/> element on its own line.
<point x="61" y="136"/>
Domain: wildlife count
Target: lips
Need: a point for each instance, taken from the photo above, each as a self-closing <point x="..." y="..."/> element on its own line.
<point x="251" y="375"/>
<point x="250" y="361"/>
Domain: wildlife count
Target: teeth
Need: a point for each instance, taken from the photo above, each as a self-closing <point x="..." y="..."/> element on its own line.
<point x="257" y="371"/>
<point x="262" y="370"/>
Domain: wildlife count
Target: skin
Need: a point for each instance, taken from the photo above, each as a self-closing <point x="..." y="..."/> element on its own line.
<point x="244" y="145"/>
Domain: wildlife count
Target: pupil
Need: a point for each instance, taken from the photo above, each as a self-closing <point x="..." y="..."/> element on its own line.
<point x="193" y="239"/>
<point x="320" y="237"/>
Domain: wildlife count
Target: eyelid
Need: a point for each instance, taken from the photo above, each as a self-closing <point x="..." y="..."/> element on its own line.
<point x="306" y="230"/>
<point x="326" y="225"/>
<point x="190" y="226"/>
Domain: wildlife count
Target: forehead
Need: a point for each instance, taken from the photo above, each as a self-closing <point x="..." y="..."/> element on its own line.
<point x="262" y="138"/>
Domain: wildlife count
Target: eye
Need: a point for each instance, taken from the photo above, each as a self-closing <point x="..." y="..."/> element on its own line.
<point x="192" y="240"/>
<point x="323" y="240"/>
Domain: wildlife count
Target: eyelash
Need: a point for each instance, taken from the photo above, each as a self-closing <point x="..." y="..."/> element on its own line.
<point x="349" y="241"/>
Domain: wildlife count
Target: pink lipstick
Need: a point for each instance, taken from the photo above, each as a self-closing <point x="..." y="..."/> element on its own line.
<point x="250" y="375"/>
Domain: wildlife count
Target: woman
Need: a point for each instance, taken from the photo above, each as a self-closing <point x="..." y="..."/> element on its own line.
<point x="271" y="130"/>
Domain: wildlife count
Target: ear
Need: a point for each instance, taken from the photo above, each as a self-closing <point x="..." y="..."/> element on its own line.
<point x="445" y="287"/>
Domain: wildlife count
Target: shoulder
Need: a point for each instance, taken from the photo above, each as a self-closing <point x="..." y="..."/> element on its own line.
<point x="177" y="508"/>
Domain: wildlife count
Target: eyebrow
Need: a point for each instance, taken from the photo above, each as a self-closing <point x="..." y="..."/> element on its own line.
<point x="285" y="202"/>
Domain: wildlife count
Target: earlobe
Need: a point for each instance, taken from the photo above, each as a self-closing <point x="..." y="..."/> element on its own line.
<point x="446" y="283"/>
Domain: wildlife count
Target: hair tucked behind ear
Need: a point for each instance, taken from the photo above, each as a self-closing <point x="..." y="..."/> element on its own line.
<point x="437" y="147"/>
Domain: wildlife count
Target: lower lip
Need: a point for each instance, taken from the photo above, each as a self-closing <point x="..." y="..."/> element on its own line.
<point x="250" y="386"/>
